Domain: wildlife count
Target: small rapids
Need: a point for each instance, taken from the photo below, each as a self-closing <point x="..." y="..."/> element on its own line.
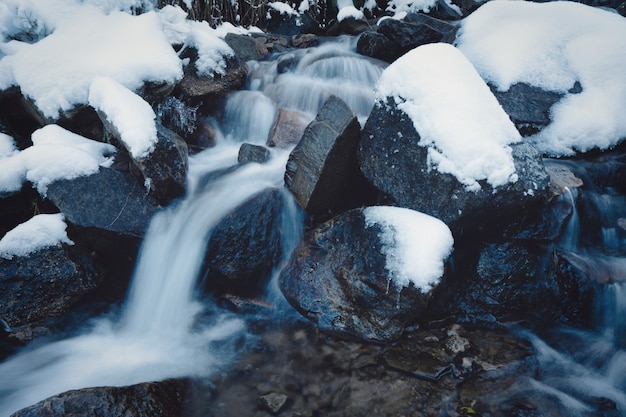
<point x="164" y="330"/>
<point x="585" y="370"/>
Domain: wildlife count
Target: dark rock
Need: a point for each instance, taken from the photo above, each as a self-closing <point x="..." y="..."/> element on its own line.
<point x="165" y="169"/>
<point x="544" y="223"/>
<point x="247" y="48"/>
<point x="512" y="281"/>
<point x="416" y="30"/>
<point x="442" y="10"/>
<point x="109" y="200"/>
<point x="253" y="153"/>
<point x="561" y="177"/>
<point x="304" y="40"/>
<point x="273" y="401"/>
<point x="348" y="26"/>
<point x="289" y="25"/>
<point x="322" y="171"/>
<point x="377" y="45"/>
<point x="393" y="162"/>
<point x="287" y="129"/>
<point x="337" y="279"/>
<point x="246" y="245"/>
<point x="580" y="280"/>
<point x="527" y="106"/>
<point x="45" y="284"/>
<point x="206" y="89"/>
<point x="18" y="207"/>
<point x="170" y="398"/>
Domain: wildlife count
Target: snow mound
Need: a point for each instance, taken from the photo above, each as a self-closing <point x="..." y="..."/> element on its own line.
<point x="350" y="11"/>
<point x="459" y="120"/>
<point x="552" y="46"/>
<point x="7" y="146"/>
<point x="85" y="43"/>
<point x="415" y="244"/>
<point x="56" y="154"/>
<point x="40" y="232"/>
<point x="131" y="115"/>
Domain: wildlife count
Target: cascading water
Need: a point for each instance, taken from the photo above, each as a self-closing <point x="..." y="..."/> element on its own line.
<point x="157" y="335"/>
<point x="580" y="367"/>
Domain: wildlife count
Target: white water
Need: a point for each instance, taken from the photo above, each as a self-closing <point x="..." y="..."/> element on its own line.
<point x="158" y="334"/>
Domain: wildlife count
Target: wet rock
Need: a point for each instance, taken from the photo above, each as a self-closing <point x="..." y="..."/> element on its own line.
<point x="322" y="171"/>
<point x="580" y="281"/>
<point x="377" y="45"/>
<point x="393" y="161"/>
<point x="165" y="169"/>
<point x="349" y="26"/>
<point x="544" y="224"/>
<point x="246" y="245"/>
<point x="287" y="129"/>
<point x="198" y="89"/>
<point x="246" y="47"/>
<point x="337" y="279"/>
<point x="304" y="40"/>
<point x="561" y="177"/>
<point x="456" y="344"/>
<point x="170" y="398"/>
<point x="252" y="153"/>
<point x="45" y="284"/>
<point x="109" y="200"/>
<point x="443" y="10"/>
<point x="527" y="106"/>
<point x="512" y="281"/>
<point x="273" y="401"/>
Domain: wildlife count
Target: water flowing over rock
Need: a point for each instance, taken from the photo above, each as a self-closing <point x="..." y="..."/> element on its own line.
<point x="322" y="171"/>
<point x="393" y="161"/>
<point x="253" y="153"/>
<point x="337" y="278"/>
<point x="45" y="284"/>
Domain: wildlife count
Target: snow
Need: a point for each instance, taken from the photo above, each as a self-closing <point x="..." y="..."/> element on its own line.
<point x="415" y="245"/>
<point x="40" y="232"/>
<point x="282" y="8"/>
<point x="459" y="120"/>
<point x="7" y="146"/>
<point x="553" y="45"/>
<point x="86" y="43"/>
<point x="131" y="115"/>
<point x="56" y="154"/>
<point x="414" y="6"/>
<point x="212" y="51"/>
<point x="350" y="11"/>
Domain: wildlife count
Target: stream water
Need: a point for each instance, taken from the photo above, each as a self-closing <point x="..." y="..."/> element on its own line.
<point x="158" y="335"/>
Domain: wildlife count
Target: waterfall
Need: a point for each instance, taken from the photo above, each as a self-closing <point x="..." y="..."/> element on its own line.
<point x="157" y="334"/>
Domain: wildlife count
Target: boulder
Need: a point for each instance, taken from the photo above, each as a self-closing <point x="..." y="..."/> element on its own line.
<point x="246" y="246"/>
<point x="322" y="171"/>
<point x="197" y="89"/>
<point x="109" y="200"/>
<point x="165" y="169"/>
<point x="393" y="161"/>
<point x="45" y="284"/>
<point x="252" y="153"/>
<point x="511" y="281"/>
<point x="170" y="398"/>
<point x="247" y="48"/>
<point x="337" y="278"/>
<point x="407" y="34"/>
<point x="377" y="45"/>
<point x="287" y="129"/>
<point x="527" y="106"/>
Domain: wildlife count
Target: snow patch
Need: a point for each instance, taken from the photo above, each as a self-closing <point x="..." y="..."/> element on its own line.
<point x="85" y="44"/>
<point x="40" y="232"/>
<point x="350" y="11"/>
<point x="131" y="115"/>
<point x="56" y="154"/>
<point x="7" y="146"/>
<point x="415" y="245"/>
<point x="551" y="46"/>
<point x="459" y="120"/>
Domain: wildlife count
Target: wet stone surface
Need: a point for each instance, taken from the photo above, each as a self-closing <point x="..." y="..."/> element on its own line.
<point x="319" y="375"/>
